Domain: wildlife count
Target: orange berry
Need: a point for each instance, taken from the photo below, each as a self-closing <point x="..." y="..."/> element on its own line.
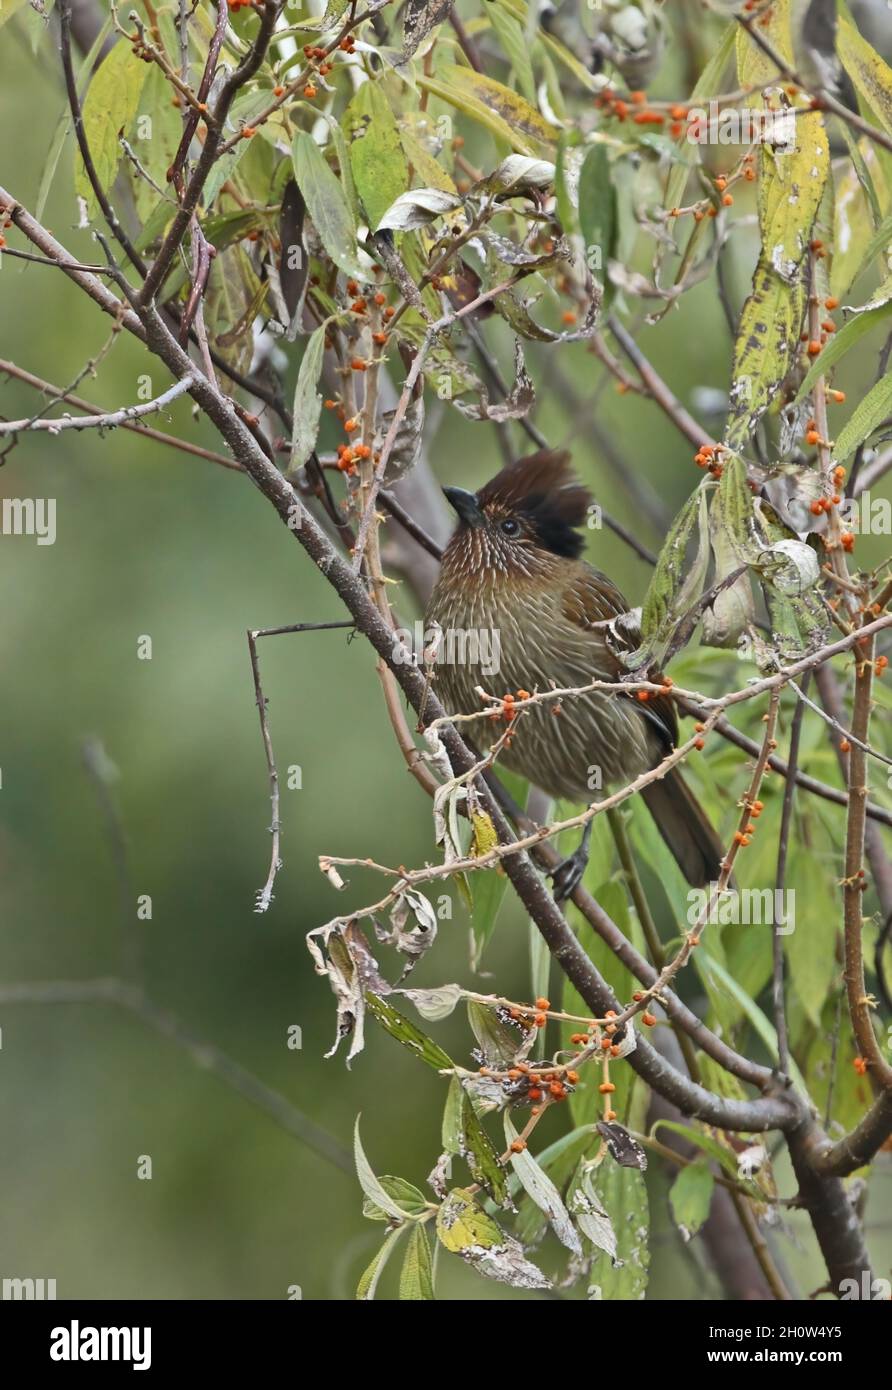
<point x="278" y="91"/>
<point x="727" y="200"/>
<point x="831" y="303"/>
<point x="351" y="425"/>
<point x="540" y="1020"/>
<point x="648" y="1019"/>
<point x="248" y="131"/>
<point x="518" y="1146"/>
<point x="606" y="1088"/>
<point x="309" y="91"/>
<point x="568" y="316"/>
<point x="844" y="745"/>
<point x="358" y="365"/>
<point x="380" y="338"/>
<point x="860" y="1065"/>
<point x="814" y="348"/>
<point x="573" y="1077"/>
<point x="839" y="397"/>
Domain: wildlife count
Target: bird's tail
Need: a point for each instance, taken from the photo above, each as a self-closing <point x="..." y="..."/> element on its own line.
<point x="679" y="818"/>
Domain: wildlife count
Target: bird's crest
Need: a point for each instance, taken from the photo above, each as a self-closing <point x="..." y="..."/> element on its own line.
<point x="544" y="491"/>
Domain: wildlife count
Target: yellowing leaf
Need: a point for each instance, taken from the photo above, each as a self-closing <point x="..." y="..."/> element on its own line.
<point x="111" y="103"/>
<point x="790" y="192"/>
<point x="461" y="1224"/>
<point x="498" y="108"/>
<point x="8" y="8"/>
<point x="754" y="67"/>
<point x="485" y="837"/>
<point x="871" y="76"/>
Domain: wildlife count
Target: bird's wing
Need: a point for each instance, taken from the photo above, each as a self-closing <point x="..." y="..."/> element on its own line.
<point x="592" y="601"/>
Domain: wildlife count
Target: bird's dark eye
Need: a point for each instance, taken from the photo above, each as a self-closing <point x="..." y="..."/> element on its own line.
<point x="509" y="526"/>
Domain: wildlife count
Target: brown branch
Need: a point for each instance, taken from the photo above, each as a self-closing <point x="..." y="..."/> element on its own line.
<point x="822" y="99"/>
<point x="8" y="368"/>
<point x="210" y="150"/>
<point x="83" y="144"/>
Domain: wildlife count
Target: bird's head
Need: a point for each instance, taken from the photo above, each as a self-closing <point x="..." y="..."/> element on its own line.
<point x="524" y="522"/>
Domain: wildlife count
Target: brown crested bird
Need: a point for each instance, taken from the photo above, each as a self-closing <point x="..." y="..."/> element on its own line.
<point x="512" y="569"/>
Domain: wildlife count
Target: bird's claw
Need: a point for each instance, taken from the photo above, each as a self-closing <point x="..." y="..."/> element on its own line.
<point x="566" y="878"/>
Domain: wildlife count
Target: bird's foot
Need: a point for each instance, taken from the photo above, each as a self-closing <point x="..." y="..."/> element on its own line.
<point x="566" y="878"/>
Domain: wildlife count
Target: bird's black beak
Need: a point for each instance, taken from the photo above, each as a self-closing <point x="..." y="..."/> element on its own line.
<point x="465" y="503"/>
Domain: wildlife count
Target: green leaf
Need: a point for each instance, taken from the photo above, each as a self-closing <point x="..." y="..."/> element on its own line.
<point x="451" y="1129"/>
<point x="63" y="128"/>
<point x="539" y="1186"/>
<point x="377" y="161"/>
<point x="416" y="1275"/>
<point x="755" y="1015"/>
<point x="368" y="1283"/>
<point x="370" y="1185"/>
<point x="307" y="399"/>
<point x="660" y="608"/>
<point x="690" y="1197"/>
<point x="870" y="74"/>
<point x="401" y="1028"/>
<point x="8" y="8"/>
<point x="867" y="416"/>
<point x="810" y="947"/>
<point x="493" y="106"/>
<point x="156" y="145"/>
<point x="480" y="1154"/>
<point x="514" y="46"/>
<point x="110" y="105"/>
<point x="487" y="895"/>
<point x="623" y="1196"/>
<point x="406" y="1195"/>
<point x="597" y="212"/>
<point x="723" y="1156"/>
<point x="326" y="203"/>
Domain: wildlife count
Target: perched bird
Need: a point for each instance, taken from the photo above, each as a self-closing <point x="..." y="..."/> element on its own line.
<point x="513" y="567"/>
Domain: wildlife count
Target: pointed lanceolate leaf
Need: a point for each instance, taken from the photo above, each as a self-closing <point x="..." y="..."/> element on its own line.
<point x="401" y="1028"/>
<point x="480" y="1154"/>
<point x="379" y="166"/>
<point x="690" y="1197"/>
<point x="110" y="105"/>
<point x="416" y="1276"/>
<point x="326" y="203"/>
<point x="307" y="399"/>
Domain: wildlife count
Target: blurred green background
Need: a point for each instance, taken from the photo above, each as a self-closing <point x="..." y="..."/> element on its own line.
<point x="151" y="542"/>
